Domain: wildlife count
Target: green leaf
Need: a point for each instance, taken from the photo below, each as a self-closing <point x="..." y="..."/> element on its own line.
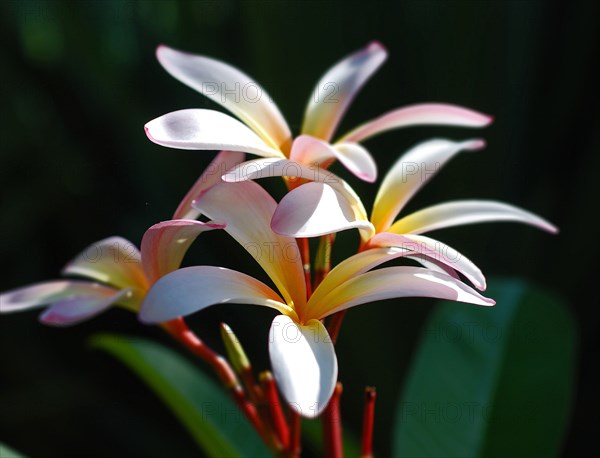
<point x="490" y="381"/>
<point x="7" y="452"/>
<point x="208" y="414"/>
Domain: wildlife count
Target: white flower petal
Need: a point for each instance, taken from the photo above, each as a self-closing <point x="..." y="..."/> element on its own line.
<point x="164" y="245"/>
<point x="114" y="260"/>
<point x="415" y="115"/>
<point x="231" y="88"/>
<point x="433" y="250"/>
<point x="314" y="152"/>
<point x="396" y="282"/>
<point x="460" y="212"/>
<point x="75" y="309"/>
<point x="40" y="294"/>
<point x="222" y="162"/>
<point x="246" y="209"/>
<point x="315" y="209"/>
<point x="337" y="88"/>
<point x="263" y="168"/>
<point x="410" y="173"/>
<point x="198" y="129"/>
<point x="304" y="364"/>
<point x="192" y="289"/>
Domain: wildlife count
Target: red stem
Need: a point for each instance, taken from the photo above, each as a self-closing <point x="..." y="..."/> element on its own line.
<point x="334" y="325"/>
<point x="274" y="405"/>
<point x="368" y="423"/>
<point x="295" y="448"/>
<point x="332" y="425"/>
<point x="179" y="330"/>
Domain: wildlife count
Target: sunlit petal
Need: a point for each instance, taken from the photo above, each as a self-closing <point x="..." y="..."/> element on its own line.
<point x="75" y="309"/>
<point x="114" y="261"/>
<point x="337" y="88"/>
<point x="198" y="129"/>
<point x="312" y="151"/>
<point x="262" y="168"/>
<point x="224" y="161"/>
<point x="40" y="294"/>
<point x="304" y="364"/>
<point x="461" y="212"/>
<point x="246" y="209"/>
<point x="395" y="282"/>
<point x="231" y="88"/>
<point x="164" y="245"/>
<point x="421" y="114"/>
<point x="315" y="209"/>
<point x="192" y="289"/>
<point x="433" y="250"/>
<point x="410" y="173"/>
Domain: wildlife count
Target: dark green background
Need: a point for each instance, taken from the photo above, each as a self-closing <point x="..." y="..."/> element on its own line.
<point x="79" y="80"/>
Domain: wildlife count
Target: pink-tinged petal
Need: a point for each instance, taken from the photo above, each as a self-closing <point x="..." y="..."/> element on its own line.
<point x="164" y="245"/>
<point x="231" y="88"/>
<point x="192" y="289"/>
<point x="415" y="115"/>
<point x="75" y="309"/>
<point x="198" y="129"/>
<point x="396" y="282"/>
<point x="304" y="364"/>
<point x="246" y="209"/>
<point x="114" y="261"/>
<point x="363" y="262"/>
<point x="224" y="161"/>
<point x="40" y="294"/>
<point x="460" y="212"/>
<point x="315" y="209"/>
<point x="263" y="168"/>
<point x="410" y="173"/>
<point x="312" y="151"/>
<point x="337" y="88"/>
<point x="352" y="267"/>
<point x="433" y="250"/>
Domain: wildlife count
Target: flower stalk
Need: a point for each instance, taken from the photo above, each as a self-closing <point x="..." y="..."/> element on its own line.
<point x="332" y="426"/>
<point x="368" y="423"/>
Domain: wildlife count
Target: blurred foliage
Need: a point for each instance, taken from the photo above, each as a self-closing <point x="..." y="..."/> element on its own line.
<point x="79" y="80"/>
<point x="490" y="381"/>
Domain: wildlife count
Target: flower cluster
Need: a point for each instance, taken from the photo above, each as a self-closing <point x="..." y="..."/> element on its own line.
<point x="150" y="282"/>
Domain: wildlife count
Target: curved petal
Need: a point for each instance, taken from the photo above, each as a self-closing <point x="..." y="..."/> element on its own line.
<point x="460" y="212"/>
<point x="304" y="364"/>
<point x="114" y="260"/>
<point x="246" y="209"/>
<point x="262" y="168"/>
<point x="396" y="282"/>
<point x="415" y="115"/>
<point x="410" y="173"/>
<point x="222" y="162"/>
<point x="198" y="129"/>
<point x="312" y="151"/>
<point x="315" y="209"/>
<point x="164" y="245"/>
<point x="433" y="250"/>
<point x="40" y="294"/>
<point x="231" y="88"/>
<point x="192" y="289"/>
<point x="336" y="90"/>
<point x="75" y="309"/>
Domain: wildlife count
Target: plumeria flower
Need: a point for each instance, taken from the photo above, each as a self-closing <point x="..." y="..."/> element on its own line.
<point x="116" y="271"/>
<point x="302" y="354"/>
<point x="263" y="130"/>
<point x="326" y="204"/>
